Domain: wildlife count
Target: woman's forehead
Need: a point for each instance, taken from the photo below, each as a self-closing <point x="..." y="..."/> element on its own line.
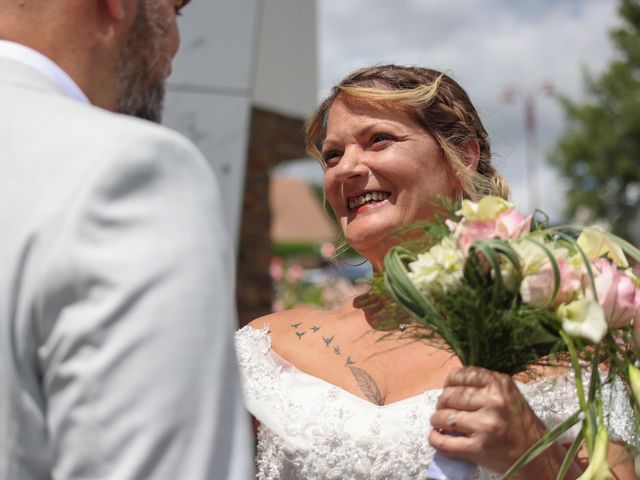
<point x="353" y="110"/>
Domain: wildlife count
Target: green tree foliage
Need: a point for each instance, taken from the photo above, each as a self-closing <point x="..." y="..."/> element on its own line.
<point x="600" y="151"/>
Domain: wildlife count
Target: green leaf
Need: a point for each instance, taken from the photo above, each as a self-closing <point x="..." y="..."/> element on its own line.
<point x="570" y="456"/>
<point x="541" y="445"/>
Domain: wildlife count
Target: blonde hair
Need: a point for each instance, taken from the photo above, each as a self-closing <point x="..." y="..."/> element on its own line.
<point x="437" y="103"/>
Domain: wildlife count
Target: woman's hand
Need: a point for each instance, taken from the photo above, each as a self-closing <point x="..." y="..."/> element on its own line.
<point x="496" y="424"/>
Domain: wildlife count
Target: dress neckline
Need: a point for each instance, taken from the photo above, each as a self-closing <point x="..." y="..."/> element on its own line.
<point x="280" y="361"/>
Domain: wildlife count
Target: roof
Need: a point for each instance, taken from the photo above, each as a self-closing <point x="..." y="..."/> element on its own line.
<point x="297" y="213"/>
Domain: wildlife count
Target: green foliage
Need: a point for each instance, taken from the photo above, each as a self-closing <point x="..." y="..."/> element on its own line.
<point x="290" y="249"/>
<point x="599" y="153"/>
<point x="481" y="321"/>
<point x="499" y="334"/>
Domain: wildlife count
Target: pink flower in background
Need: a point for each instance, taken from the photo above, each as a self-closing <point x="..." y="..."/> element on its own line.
<point x="510" y="224"/>
<point x="617" y="295"/>
<point x="276" y="269"/>
<point x="338" y="289"/>
<point x="295" y="273"/>
<point x="277" y="305"/>
<point x="537" y="289"/>
<point x="328" y="250"/>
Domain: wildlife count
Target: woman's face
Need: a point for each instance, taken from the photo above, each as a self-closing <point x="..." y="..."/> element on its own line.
<point x="383" y="170"/>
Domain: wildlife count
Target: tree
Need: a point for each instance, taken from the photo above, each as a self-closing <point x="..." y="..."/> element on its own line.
<point x="599" y="153"/>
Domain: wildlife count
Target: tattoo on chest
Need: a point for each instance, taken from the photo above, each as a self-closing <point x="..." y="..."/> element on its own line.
<point x="365" y="382"/>
<point x="367" y="385"/>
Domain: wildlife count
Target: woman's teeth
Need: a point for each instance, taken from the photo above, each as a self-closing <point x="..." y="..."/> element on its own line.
<point x="355" y="202"/>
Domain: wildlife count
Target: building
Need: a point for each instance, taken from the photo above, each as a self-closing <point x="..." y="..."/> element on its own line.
<point x="243" y="82"/>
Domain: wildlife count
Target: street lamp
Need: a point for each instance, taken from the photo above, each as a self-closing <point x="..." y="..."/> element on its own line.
<point x="527" y="96"/>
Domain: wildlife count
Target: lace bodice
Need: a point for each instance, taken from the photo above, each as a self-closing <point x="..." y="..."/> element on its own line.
<point x="311" y="429"/>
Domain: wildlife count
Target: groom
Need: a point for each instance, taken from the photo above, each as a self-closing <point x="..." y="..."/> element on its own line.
<point x="116" y="309"/>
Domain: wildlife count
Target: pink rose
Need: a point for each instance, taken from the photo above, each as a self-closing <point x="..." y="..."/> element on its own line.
<point x="537" y="289"/>
<point x="617" y="295"/>
<point x="510" y="224"/>
<point x="471" y="232"/>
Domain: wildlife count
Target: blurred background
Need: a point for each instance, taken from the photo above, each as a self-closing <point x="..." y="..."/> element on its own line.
<point x="557" y="83"/>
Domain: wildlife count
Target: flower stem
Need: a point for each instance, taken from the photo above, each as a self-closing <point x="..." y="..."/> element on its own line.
<point x="587" y="425"/>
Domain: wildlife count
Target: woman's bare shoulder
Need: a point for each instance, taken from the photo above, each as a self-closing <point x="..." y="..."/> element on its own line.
<point x="280" y="323"/>
<point x="290" y="329"/>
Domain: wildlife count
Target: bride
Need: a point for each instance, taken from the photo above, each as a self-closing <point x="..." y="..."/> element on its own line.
<point x="336" y="400"/>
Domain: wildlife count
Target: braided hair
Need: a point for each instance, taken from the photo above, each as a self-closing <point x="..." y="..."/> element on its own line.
<point x="437" y="103"/>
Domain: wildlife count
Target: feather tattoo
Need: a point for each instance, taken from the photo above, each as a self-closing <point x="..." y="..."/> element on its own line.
<point x="367" y="385"/>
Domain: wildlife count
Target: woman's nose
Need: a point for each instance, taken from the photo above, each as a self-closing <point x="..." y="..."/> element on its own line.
<point x="351" y="164"/>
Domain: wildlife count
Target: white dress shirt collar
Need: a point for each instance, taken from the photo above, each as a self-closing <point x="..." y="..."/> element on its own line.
<point x="36" y="60"/>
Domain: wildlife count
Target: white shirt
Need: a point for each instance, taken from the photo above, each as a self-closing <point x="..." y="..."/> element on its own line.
<point x="44" y="65"/>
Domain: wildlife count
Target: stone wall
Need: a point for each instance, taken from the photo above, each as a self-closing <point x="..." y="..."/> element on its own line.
<point x="273" y="139"/>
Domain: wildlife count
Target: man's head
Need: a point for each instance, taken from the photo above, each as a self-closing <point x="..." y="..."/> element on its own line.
<point x="146" y="59"/>
<point x="118" y="51"/>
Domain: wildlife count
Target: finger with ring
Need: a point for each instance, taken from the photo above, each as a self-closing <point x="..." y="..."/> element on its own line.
<point x="451" y="420"/>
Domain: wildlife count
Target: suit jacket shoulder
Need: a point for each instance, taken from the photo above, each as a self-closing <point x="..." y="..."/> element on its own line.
<point x="117" y="285"/>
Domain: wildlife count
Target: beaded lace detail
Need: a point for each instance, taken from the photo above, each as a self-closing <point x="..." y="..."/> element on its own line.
<point x="311" y="429"/>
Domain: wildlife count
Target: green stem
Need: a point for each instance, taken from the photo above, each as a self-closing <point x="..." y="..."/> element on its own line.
<point x="584" y="406"/>
<point x="541" y="445"/>
<point x="576" y="368"/>
<point x="570" y="456"/>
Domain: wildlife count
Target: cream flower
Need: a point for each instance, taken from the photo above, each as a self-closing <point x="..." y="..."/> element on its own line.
<point x="532" y="257"/>
<point x="595" y="244"/>
<point x="583" y="318"/>
<point x="438" y="269"/>
<point x="488" y="208"/>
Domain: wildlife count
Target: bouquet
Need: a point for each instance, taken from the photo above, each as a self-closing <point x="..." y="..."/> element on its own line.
<point x="503" y="291"/>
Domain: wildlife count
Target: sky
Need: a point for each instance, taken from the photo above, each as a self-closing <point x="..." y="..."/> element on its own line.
<point x="488" y="46"/>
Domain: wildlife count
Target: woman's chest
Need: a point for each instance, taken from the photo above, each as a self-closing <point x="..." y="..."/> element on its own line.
<point x="381" y="372"/>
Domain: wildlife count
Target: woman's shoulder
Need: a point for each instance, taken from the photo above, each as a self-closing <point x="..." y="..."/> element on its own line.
<point x="278" y="321"/>
<point x="279" y="324"/>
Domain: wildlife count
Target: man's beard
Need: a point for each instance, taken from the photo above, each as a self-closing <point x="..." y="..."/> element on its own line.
<point x="141" y="84"/>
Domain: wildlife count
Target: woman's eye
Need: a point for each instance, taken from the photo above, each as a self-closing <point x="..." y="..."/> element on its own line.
<point x="381" y="137"/>
<point x="330" y="155"/>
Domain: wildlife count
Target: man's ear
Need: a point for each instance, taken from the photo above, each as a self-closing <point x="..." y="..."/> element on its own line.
<point x="472" y="154"/>
<point x="117" y="9"/>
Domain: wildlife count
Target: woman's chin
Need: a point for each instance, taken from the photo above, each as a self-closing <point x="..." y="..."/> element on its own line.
<point x="371" y="246"/>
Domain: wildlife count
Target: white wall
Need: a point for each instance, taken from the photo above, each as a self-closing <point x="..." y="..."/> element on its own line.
<point x="211" y="89"/>
<point x="232" y="55"/>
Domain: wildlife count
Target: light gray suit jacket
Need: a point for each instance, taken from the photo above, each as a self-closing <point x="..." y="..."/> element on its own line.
<point x="116" y="292"/>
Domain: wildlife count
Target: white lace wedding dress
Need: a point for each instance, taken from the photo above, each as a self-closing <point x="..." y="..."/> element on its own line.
<point x="311" y="429"/>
